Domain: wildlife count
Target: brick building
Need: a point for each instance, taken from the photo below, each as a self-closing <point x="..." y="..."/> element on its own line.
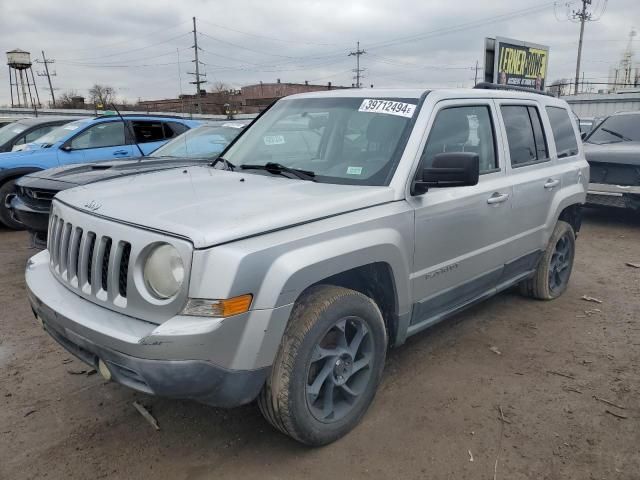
<point x="248" y="99"/>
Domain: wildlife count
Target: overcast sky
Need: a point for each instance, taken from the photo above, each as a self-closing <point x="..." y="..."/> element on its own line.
<point x="142" y="47"/>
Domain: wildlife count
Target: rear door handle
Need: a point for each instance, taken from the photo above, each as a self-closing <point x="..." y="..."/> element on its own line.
<point x="551" y="183"/>
<point x="497" y="198"/>
<point x="120" y="152"/>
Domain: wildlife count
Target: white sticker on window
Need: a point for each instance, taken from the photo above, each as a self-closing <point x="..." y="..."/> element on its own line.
<point x="389" y="107"/>
<point x="273" y="140"/>
<point x="354" y="171"/>
<point x="233" y="125"/>
<point x="70" y="127"/>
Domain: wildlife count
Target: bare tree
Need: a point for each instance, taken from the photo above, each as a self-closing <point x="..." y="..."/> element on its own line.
<point x="65" y="100"/>
<point x="102" y="95"/>
<point x="219" y="87"/>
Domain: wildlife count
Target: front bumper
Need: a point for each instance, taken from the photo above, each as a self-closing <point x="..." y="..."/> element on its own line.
<point x="194" y="362"/>
<point x="34" y="219"/>
<point x="619" y="196"/>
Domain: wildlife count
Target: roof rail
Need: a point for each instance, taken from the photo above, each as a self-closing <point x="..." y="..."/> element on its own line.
<point x="151" y="115"/>
<point x="498" y="86"/>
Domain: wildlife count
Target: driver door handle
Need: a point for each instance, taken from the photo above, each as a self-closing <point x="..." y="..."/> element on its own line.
<point x="551" y="183"/>
<point x="120" y="152"/>
<point x="497" y="197"/>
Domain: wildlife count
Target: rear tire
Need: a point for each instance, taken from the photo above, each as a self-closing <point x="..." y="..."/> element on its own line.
<point x="7" y="189"/>
<point x="328" y="368"/>
<point x="551" y="278"/>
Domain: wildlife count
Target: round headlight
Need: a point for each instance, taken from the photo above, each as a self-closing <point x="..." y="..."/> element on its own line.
<point x="164" y="271"/>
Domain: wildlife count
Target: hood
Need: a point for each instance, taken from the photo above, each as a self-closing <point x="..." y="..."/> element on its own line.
<point x="212" y="206"/>
<point x="627" y="153"/>
<point x="84" y="173"/>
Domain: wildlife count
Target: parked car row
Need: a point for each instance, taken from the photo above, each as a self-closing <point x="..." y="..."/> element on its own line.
<point x="32" y="202"/>
<point x="38" y="144"/>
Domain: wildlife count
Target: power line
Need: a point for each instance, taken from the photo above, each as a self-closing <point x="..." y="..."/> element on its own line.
<point x="583" y="16"/>
<point x="275" y="39"/>
<point x="462" y="26"/>
<point x="358" y="71"/>
<point x="46" y="73"/>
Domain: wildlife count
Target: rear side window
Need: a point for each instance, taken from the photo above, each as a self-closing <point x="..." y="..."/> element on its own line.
<point x="173" y="129"/>
<point x="563" y="133"/>
<point x="525" y="136"/>
<point x="463" y="129"/>
<point x="147" y="131"/>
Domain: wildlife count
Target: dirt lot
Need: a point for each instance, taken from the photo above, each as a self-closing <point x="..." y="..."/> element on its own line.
<point x="439" y="403"/>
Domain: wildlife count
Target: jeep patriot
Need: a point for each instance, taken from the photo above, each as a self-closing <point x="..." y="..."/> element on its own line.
<point x="335" y="226"/>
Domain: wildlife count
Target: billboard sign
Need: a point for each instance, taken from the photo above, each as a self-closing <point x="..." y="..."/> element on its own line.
<point x="516" y="63"/>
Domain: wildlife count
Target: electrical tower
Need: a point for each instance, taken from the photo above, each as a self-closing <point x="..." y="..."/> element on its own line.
<point x="46" y="61"/>
<point x="197" y="82"/>
<point x="358" y="71"/>
<point x="583" y="16"/>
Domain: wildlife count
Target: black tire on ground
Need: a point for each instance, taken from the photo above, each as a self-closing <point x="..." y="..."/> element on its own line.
<point x="6" y="189"/>
<point x="331" y="334"/>
<point x="551" y="278"/>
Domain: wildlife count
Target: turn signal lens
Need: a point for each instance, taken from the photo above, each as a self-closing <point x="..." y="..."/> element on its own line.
<point x="202" y="307"/>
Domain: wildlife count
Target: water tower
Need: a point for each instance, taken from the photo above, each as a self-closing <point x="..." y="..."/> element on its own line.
<point x="19" y="63"/>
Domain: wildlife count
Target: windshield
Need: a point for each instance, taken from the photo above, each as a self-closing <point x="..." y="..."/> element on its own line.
<point x="9" y="131"/>
<point x="617" y="128"/>
<point x="204" y="141"/>
<point x="61" y="132"/>
<point x="341" y="140"/>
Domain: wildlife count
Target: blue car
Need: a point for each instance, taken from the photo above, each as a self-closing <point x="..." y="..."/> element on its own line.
<point x="86" y="140"/>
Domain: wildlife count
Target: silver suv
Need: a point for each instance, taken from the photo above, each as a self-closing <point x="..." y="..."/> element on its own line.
<point x="338" y="224"/>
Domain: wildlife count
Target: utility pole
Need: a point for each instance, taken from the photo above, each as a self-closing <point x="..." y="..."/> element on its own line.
<point x="197" y="73"/>
<point x="46" y="73"/>
<point x="358" y="71"/>
<point x="476" y="77"/>
<point x="583" y="16"/>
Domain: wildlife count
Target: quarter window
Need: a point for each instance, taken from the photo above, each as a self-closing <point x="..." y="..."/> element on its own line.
<point x="146" y="132"/>
<point x="463" y="129"/>
<point x="563" y="133"/>
<point x="107" y="134"/>
<point x="525" y="136"/>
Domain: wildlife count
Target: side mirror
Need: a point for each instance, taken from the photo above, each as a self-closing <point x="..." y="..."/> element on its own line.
<point x="583" y="135"/>
<point x="66" y="148"/>
<point x="455" y="169"/>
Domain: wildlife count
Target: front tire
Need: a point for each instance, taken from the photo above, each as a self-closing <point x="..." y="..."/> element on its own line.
<point x="328" y="367"/>
<point x="7" y="189"/>
<point x="551" y="278"/>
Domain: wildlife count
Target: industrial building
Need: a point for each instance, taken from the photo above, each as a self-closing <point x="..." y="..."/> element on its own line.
<point x="602" y="104"/>
<point x="248" y="99"/>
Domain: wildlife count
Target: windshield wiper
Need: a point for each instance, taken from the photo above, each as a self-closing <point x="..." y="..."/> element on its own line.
<point x="227" y="163"/>
<point x="616" y="134"/>
<point x="279" y="169"/>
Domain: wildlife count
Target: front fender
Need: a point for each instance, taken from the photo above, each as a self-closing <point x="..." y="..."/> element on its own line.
<point x="278" y="266"/>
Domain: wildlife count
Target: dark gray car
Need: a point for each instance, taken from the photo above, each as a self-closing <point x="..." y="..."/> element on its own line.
<point x="613" y="152"/>
<point x="28" y="130"/>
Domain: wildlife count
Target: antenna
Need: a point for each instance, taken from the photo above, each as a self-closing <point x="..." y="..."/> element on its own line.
<point x="128" y="125"/>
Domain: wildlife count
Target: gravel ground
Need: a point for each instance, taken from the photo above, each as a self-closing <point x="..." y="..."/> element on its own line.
<point x="450" y="406"/>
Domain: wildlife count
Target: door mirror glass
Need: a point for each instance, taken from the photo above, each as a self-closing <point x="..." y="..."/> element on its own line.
<point x="455" y="169"/>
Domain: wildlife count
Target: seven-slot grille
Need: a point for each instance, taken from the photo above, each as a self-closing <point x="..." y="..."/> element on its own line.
<point x="94" y="264"/>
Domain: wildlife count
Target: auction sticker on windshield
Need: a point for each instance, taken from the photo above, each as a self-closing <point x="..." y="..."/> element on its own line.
<point x="389" y="107"/>
<point x="273" y="140"/>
